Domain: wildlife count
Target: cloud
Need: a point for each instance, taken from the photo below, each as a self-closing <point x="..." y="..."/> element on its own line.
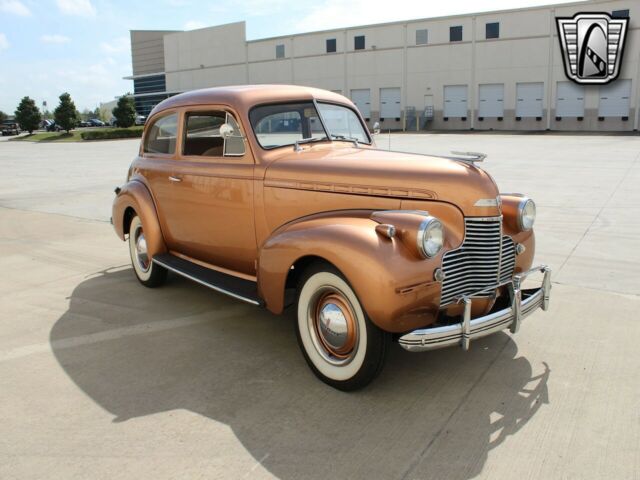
<point x="117" y="45"/>
<point x="82" y="8"/>
<point x="55" y="39"/>
<point x="194" y="25"/>
<point x="14" y="6"/>
<point x="4" y="43"/>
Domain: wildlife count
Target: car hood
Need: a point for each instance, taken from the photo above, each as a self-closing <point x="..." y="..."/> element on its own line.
<point x="366" y="171"/>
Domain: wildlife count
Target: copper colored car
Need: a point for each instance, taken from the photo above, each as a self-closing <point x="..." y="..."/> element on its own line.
<point x="278" y="196"/>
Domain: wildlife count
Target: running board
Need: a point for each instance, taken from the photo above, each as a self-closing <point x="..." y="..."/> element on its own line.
<point x="235" y="287"/>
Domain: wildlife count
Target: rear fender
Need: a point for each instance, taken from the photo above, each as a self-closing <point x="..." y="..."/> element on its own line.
<point x="135" y="196"/>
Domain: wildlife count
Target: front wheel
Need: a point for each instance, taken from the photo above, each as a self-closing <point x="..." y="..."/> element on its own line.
<point x="339" y="342"/>
<point x="148" y="273"/>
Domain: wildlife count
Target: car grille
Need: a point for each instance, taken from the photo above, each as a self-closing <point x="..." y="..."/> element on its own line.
<point x="476" y="265"/>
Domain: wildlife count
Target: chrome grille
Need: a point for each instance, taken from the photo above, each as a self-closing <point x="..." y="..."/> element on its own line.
<point x="476" y="264"/>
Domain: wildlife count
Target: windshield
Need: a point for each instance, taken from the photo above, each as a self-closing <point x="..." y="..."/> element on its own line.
<point x="287" y="123"/>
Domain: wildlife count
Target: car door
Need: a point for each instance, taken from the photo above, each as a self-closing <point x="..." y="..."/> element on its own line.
<point x="208" y="213"/>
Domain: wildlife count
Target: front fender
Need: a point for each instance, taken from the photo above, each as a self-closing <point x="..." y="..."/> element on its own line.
<point x="395" y="288"/>
<point x="135" y="195"/>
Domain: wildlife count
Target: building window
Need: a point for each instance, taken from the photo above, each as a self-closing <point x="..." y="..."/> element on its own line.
<point x="358" y="42"/>
<point x="331" y="45"/>
<point x="493" y="30"/>
<point x="620" y="13"/>
<point x="455" y="33"/>
<point x="280" y="51"/>
<point x="422" y="36"/>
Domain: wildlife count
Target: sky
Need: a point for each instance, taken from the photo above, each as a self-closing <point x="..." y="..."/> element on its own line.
<point x="48" y="47"/>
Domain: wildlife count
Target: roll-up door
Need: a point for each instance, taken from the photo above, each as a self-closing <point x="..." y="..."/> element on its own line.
<point x="362" y="99"/>
<point x="390" y="103"/>
<point x="569" y="100"/>
<point x="615" y="99"/>
<point x="491" y="100"/>
<point x="455" y="101"/>
<point x="529" y="97"/>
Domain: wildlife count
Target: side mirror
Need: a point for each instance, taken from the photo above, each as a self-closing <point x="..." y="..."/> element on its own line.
<point x="376" y="128"/>
<point x="226" y="130"/>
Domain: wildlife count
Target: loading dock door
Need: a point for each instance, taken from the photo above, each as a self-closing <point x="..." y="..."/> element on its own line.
<point x="615" y="99"/>
<point x="529" y="98"/>
<point x="455" y="101"/>
<point x="390" y="103"/>
<point x="491" y="100"/>
<point x="362" y="99"/>
<point x="569" y="100"/>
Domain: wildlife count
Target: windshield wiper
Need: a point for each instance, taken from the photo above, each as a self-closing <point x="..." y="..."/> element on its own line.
<point x="346" y="139"/>
<point x="297" y="148"/>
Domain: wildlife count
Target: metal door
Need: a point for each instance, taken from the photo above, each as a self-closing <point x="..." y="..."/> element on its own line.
<point x="455" y="101"/>
<point x="362" y="98"/>
<point x="569" y="100"/>
<point x="491" y="100"/>
<point x="529" y="97"/>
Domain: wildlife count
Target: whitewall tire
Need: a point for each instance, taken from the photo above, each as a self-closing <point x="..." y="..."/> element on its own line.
<point x="147" y="272"/>
<point x="339" y="342"/>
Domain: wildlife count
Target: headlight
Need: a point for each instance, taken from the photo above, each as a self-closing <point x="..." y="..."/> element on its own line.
<point x="526" y="214"/>
<point x="430" y="237"/>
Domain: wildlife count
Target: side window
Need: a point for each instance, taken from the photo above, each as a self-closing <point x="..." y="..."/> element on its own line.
<point x="161" y="136"/>
<point x="202" y="135"/>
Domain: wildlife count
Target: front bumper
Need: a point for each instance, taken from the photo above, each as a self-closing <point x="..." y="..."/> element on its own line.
<point x="523" y="303"/>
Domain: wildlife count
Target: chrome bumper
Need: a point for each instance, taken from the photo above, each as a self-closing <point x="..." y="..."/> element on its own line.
<point x="523" y="304"/>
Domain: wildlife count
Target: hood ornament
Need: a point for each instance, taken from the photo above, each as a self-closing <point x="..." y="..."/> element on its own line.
<point x="470" y="158"/>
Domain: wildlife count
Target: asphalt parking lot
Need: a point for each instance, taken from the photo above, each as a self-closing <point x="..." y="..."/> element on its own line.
<point x="102" y="378"/>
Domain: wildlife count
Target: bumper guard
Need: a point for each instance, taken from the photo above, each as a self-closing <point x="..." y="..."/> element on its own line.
<point x="523" y="303"/>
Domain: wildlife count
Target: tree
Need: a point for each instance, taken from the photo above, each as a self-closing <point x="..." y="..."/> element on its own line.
<point x="28" y="115"/>
<point x="125" y="112"/>
<point x="65" y="113"/>
<point x="3" y="116"/>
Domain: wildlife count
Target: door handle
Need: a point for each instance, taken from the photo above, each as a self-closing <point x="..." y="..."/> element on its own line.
<point x="174" y="179"/>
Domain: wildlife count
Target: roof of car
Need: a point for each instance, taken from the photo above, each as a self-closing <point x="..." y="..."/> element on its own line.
<point x="243" y="97"/>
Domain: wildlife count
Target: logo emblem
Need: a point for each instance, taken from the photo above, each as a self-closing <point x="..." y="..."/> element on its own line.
<point x="592" y="46"/>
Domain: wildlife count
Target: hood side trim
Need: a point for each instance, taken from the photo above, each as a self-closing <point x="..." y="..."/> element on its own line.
<point x="395" y="192"/>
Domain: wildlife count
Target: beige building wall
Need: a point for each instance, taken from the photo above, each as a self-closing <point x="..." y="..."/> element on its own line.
<point x="527" y="51"/>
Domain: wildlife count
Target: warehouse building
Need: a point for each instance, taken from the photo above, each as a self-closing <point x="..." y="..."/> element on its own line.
<point x="498" y="70"/>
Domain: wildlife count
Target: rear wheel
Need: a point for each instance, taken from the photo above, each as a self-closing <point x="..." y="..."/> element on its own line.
<point x="339" y="342"/>
<point x="148" y="273"/>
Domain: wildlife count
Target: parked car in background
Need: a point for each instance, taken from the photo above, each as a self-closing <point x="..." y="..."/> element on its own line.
<point x="96" y="122"/>
<point x="113" y="121"/>
<point x="9" y="128"/>
<point x="84" y="123"/>
<point x="53" y="127"/>
<point x="370" y="246"/>
<point x="140" y="119"/>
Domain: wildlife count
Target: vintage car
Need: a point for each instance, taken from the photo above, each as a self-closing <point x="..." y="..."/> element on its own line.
<point x="277" y="196"/>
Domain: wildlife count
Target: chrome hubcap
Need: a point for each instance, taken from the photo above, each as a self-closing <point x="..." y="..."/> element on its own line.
<point x="335" y="326"/>
<point x="141" y="249"/>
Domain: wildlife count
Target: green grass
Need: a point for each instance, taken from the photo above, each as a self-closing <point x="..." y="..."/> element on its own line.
<point x="73" y="136"/>
<point x="82" y="135"/>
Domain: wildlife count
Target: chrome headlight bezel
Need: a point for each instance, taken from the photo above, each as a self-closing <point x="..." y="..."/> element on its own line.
<point x="526" y="214"/>
<point x="429" y="225"/>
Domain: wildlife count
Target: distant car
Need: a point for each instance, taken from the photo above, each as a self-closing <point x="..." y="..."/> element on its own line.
<point x="9" y="128"/>
<point x="53" y="127"/>
<point x="84" y="123"/>
<point x="113" y="122"/>
<point x="140" y="119"/>
<point x="95" y="122"/>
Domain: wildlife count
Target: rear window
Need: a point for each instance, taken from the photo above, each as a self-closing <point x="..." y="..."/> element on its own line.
<point x="161" y="135"/>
